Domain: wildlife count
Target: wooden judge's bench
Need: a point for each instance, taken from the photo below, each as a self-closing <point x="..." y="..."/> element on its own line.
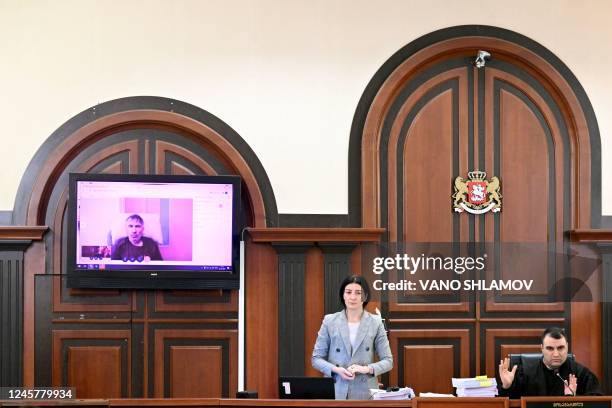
<point x="526" y="402"/>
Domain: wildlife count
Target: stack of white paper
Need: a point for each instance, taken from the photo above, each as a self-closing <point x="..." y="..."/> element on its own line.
<point x="402" y="394"/>
<point x="475" y="387"/>
<point x="434" y="395"/>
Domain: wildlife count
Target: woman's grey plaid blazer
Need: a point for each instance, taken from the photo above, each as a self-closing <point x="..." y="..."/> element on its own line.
<point x="333" y="348"/>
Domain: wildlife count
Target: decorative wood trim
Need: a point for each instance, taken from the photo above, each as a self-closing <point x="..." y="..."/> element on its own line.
<point x="60" y="306"/>
<point x="162" y="334"/>
<point x="591" y="235"/>
<point x="395" y="306"/>
<point x="316" y="234"/>
<point x="261" y="320"/>
<point x="312" y="403"/>
<point x="497" y="402"/>
<point x="492" y="334"/>
<point x="463" y="335"/>
<point x="492" y="306"/>
<point x="402" y="321"/>
<point x="162" y="148"/>
<point x="91" y="132"/>
<point x="11" y="314"/>
<point x="398" y="145"/>
<point x="161" y="304"/>
<point x="208" y="320"/>
<point x="560" y="320"/>
<point x="314" y="303"/>
<point x="34" y="233"/>
<point x="58" y="336"/>
<point x="163" y="402"/>
<point x="34" y="258"/>
<point x="461" y="45"/>
<point x="195" y="370"/>
<point x="91" y="321"/>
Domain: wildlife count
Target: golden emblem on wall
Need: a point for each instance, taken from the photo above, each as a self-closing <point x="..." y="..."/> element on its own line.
<point x="476" y="194"/>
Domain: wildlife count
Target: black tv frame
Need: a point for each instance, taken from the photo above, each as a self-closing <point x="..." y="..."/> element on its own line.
<point x="151" y="278"/>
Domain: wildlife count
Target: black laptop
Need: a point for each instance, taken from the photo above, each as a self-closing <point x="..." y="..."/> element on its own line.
<point x="306" y="388"/>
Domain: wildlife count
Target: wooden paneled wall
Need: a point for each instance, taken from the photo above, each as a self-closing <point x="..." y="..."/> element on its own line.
<point x="11" y="311"/>
<point x="131" y="343"/>
<point x="427" y="116"/>
<point x="432" y="116"/>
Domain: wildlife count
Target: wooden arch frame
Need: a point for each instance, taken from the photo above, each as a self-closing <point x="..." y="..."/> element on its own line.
<point x="364" y="193"/>
<point x="66" y="145"/>
<point x="114" y="116"/>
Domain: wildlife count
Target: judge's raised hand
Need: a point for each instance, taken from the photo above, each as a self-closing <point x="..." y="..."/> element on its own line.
<point x="506" y="376"/>
<point x="573" y="385"/>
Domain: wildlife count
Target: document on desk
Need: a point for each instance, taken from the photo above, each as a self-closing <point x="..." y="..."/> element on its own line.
<point x="476" y="382"/>
<point x="434" y="395"/>
<point x="402" y="394"/>
<point x="475" y="387"/>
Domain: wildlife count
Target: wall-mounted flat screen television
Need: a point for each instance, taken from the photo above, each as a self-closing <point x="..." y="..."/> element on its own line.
<point x="153" y="231"/>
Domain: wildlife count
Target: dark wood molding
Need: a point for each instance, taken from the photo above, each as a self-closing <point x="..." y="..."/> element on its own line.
<point x="143" y="112"/>
<point x="591" y="235"/>
<point x="34" y="233"/>
<point x="316" y="234"/>
<point x="196" y="337"/>
<point x="291" y="311"/>
<point x="261" y="320"/>
<point x="11" y="312"/>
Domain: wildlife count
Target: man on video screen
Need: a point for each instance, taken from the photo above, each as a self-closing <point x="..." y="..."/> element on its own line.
<point x="135" y="247"/>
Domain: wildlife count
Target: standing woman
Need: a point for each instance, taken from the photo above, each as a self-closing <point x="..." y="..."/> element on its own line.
<point x="346" y="343"/>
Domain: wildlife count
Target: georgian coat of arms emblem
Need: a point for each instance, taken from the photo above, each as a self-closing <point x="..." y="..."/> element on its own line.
<point x="476" y="194"/>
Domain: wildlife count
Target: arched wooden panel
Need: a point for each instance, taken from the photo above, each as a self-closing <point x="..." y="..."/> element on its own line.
<point x="427" y="165"/>
<point x="528" y="150"/>
<point x="426" y="145"/>
<point x="175" y="159"/>
<point x="141" y="140"/>
<point x="428" y="116"/>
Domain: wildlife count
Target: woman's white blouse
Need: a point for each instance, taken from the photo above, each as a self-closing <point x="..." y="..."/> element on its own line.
<point x="353" y="328"/>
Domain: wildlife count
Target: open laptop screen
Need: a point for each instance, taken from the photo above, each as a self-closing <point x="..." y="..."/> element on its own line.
<point x="306" y="388"/>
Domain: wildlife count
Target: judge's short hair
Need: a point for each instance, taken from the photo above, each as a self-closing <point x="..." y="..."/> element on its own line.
<point x="556" y="333"/>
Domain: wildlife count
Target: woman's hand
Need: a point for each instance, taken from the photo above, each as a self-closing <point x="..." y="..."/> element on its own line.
<point x="359" y="369"/>
<point x="344" y="373"/>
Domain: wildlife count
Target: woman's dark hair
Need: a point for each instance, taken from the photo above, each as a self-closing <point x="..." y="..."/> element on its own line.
<point x="361" y="281"/>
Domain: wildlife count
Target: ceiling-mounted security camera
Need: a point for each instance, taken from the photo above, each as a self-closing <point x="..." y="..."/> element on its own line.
<point x="481" y="58"/>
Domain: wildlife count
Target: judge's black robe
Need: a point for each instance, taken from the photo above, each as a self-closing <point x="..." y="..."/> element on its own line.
<point x="535" y="379"/>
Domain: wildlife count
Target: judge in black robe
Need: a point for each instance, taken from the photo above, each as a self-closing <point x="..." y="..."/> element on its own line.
<point x="535" y="379"/>
<point x="552" y="375"/>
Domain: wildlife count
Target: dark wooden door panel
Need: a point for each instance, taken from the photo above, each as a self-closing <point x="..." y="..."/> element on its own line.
<point x="417" y="351"/>
<point x="95" y="371"/>
<point x="97" y="363"/>
<point x="434" y="117"/>
<point x="196" y="371"/>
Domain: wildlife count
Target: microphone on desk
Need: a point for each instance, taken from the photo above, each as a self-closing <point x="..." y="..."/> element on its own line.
<point x="565" y="382"/>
